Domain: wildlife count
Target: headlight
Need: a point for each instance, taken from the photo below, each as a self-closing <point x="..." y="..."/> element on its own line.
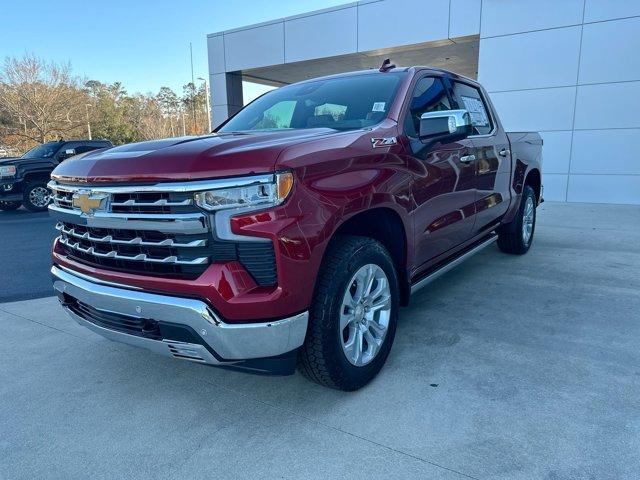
<point x="261" y="194"/>
<point x="8" y="171"/>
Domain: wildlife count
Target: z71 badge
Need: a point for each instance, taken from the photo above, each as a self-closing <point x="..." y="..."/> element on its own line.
<point x="384" y="142"/>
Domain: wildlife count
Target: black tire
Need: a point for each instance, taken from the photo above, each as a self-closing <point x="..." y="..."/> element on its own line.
<point x="28" y="200"/>
<point x="510" y="236"/>
<point x="9" y="206"/>
<point x="322" y="358"/>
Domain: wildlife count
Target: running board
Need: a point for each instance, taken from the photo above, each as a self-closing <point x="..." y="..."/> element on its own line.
<point x="454" y="263"/>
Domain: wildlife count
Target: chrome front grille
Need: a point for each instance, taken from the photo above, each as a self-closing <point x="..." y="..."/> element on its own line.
<point x="133" y="202"/>
<point x="140" y="257"/>
<point x="63" y="199"/>
<point x="138" y="251"/>
<point x="157" y="233"/>
<point x="137" y="229"/>
<point x="84" y="234"/>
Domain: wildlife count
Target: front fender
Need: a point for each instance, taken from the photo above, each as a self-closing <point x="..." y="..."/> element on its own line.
<point x="302" y="228"/>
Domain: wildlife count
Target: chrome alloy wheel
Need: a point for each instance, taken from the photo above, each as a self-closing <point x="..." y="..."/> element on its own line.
<point x="40" y="197"/>
<point x="527" y="221"/>
<point x="364" y="314"/>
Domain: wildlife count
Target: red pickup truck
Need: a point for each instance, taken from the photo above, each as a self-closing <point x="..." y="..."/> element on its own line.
<point x="294" y="232"/>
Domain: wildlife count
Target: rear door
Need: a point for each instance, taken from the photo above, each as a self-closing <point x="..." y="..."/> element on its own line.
<point x="492" y="156"/>
<point x="443" y="186"/>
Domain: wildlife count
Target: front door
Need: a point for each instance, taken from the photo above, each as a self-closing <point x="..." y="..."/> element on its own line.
<point x="443" y="186"/>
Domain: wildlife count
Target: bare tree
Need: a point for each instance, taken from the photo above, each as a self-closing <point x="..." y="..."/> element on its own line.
<point x="44" y="100"/>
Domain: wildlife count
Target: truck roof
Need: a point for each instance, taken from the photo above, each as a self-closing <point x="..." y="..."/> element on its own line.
<point x="373" y="71"/>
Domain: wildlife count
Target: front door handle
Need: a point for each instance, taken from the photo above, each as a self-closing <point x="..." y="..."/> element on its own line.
<point x="504" y="152"/>
<point x="468" y="158"/>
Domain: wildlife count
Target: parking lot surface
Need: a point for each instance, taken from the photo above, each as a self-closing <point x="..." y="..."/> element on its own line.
<point x="505" y="368"/>
<point x="25" y="246"/>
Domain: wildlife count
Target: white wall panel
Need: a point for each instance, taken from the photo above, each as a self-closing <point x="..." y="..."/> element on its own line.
<point x="608" y="106"/>
<point x="606" y="152"/>
<point x="401" y="22"/>
<point x="502" y="17"/>
<point x="598" y="10"/>
<point x="464" y="18"/>
<point x="546" y="109"/>
<point x="610" y="51"/>
<point x="524" y="61"/>
<point x="218" y="85"/>
<point x="321" y="35"/>
<point x="556" y="151"/>
<point x="254" y="47"/>
<point x="555" y="187"/>
<point x="215" y="51"/>
<point x="604" y="188"/>
<point x="219" y="113"/>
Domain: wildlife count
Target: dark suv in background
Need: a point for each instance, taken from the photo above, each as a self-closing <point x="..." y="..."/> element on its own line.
<point x="23" y="180"/>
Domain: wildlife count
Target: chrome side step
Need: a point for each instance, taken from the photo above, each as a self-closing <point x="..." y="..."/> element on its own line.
<point x="453" y="263"/>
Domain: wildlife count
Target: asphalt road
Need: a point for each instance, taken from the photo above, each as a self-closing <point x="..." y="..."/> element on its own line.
<point x="25" y="246"/>
<point x="506" y="368"/>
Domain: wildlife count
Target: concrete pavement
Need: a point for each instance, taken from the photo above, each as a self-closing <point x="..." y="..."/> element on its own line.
<point x="505" y="368"/>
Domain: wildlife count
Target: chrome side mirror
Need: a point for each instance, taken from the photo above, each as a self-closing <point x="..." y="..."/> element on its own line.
<point x="451" y="124"/>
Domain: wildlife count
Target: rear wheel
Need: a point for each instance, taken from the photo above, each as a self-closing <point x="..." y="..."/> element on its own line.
<point x="516" y="237"/>
<point x="9" y="206"/>
<point x="37" y="197"/>
<point x="353" y="315"/>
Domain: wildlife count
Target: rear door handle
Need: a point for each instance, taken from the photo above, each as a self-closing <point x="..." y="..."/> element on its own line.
<point x="468" y="158"/>
<point x="504" y="152"/>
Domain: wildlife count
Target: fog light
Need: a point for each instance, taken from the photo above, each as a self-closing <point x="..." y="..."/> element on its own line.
<point x="8" y="187"/>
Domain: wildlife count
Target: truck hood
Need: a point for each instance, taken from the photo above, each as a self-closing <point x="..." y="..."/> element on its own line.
<point x="25" y="162"/>
<point x="185" y="158"/>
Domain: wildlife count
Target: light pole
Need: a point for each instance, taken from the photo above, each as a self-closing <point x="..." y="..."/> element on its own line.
<point x="86" y="105"/>
<point x="193" y="92"/>
<point x="206" y="92"/>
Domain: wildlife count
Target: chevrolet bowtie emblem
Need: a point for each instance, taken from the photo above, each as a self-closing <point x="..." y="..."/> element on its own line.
<point x="88" y="203"/>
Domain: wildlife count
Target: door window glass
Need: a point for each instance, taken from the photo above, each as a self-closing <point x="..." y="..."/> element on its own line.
<point x="470" y="99"/>
<point x="429" y="95"/>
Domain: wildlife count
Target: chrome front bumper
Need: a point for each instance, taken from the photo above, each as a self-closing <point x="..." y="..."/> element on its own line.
<point x="220" y="343"/>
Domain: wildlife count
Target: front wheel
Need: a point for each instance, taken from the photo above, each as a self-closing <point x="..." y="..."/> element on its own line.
<point x="37" y="197"/>
<point x="353" y="315"/>
<point x="516" y="236"/>
<point x="9" y="206"/>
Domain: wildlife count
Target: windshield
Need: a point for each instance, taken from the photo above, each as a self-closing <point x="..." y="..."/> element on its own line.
<point x="340" y="103"/>
<point x="45" y="150"/>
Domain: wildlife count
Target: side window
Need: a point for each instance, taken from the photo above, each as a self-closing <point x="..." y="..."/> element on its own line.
<point x="277" y="116"/>
<point x="429" y="95"/>
<point x="469" y="98"/>
<point x="85" y="148"/>
<point x="67" y="146"/>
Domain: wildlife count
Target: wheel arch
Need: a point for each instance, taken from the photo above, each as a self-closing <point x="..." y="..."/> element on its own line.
<point x="37" y="176"/>
<point x="385" y="225"/>
<point x="534" y="180"/>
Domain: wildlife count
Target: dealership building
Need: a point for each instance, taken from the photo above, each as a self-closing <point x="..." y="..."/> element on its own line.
<point x="569" y="69"/>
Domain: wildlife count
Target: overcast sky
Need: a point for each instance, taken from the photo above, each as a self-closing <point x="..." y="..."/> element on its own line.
<point x="142" y="43"/>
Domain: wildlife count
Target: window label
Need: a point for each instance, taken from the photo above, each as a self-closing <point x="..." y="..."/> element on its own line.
<point x="476" y="110"/>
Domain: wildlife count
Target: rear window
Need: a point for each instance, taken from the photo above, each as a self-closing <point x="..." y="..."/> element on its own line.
<point x="339" y="103"/>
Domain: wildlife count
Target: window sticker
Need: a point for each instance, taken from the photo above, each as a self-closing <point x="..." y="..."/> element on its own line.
<point x="378" y="107"/>
<point x="476" y="110"/>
